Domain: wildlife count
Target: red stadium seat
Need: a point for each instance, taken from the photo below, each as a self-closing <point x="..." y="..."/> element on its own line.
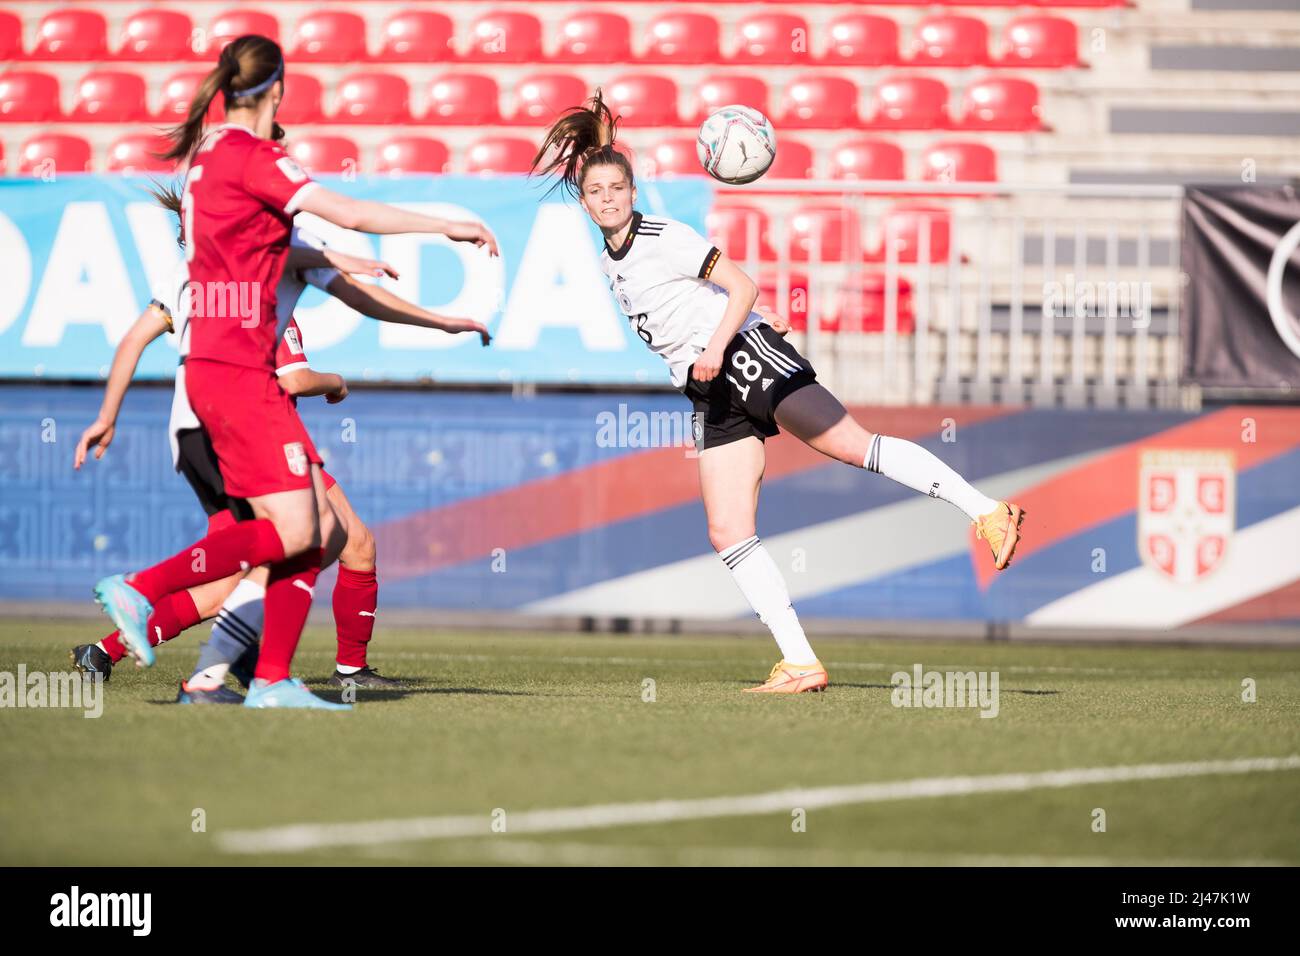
<point x="795" y="307"/>
<point x="412" y="154"/>
<point x="867" y="159"/>
<point x="157" y="35"/>
<point x="861" y="39"/>
<point x="673" y="157"/>
<point x="177" y="92"/>
<point x="500" y="154"/>
<point x="860" y="305"/>
<point x="302" y="99"/>
<point x="824" y="102"/>
<point x="716" y="92"/>
<point x="904" y="225"/>
<point x="2" y="158"/>
<point x="773" y="39"/>
<point x="463" y="99"/>
<point x="109" y="96"/>
<point x="643" y="100"/>
<point x="910" y="102"/>
<point x="738" y="231"/>
<point x="825" y="234"/>
<point x="1045" y="42"/>
<point x="417" y="36"/>
<point x="542" y="97"/>
<point x="956" y="162"/>
<point x="235" y="23"/>
<point x="683" y="38"/>
<point x="134" y="153"/>
<point x="372" y="98"/>
<point x="54" y="152"/>
<point x="592" y="37"/>
<point x="330" y="36"/>
<point x="951" y="41"/>
<point x="323" y="155"/>
<point x="28" y="96"/>
<point x="71" y="35"/>
<point x="794" y="160"/>
<point x="11" y="36"/>
<point x="504" y="37"/>
<point x="1002" y="103"/>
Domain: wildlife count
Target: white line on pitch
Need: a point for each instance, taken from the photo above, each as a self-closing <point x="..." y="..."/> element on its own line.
<point x="308" y="836"/>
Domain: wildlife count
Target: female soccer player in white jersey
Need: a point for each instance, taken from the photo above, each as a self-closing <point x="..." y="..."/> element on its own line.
<point x="694" y="307"/>
<point x="241" y="192"/>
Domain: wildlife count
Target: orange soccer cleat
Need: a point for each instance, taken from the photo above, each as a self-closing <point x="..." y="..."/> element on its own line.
<point x="1001" y="529"/>
<point x="793" y="679"/>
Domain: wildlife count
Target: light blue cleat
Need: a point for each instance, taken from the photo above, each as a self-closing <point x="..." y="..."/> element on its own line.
<point x="289" y="692"/>
<point x="130" y="611"/>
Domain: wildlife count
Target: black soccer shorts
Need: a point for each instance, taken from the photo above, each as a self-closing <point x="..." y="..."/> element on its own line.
<point x="198" y="463"/>
<point x="759" y="369"/>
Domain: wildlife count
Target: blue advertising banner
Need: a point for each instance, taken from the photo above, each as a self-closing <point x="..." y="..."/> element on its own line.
<point x="81" y="254"/>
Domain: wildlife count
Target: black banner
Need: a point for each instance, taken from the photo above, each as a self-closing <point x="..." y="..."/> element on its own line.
<point x="1242" y="326"/>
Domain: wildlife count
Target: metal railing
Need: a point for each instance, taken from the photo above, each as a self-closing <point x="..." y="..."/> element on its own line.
<point x="1001" y="293"/>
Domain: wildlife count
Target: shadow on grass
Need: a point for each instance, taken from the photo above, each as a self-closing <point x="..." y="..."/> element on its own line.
<point x="835" y="683"/>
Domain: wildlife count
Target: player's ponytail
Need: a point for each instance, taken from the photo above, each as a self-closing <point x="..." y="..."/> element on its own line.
<point x="580" y="139"/>
<point x="246" y="70"/>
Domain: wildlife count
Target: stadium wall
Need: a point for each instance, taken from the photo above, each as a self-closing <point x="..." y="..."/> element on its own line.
<point x="587" y="505"/>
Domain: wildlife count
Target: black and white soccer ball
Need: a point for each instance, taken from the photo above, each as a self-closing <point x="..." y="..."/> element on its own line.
<point x="736" y="145"/>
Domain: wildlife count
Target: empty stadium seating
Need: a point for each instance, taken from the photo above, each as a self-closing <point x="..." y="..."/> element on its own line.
<point x="135" y="153"/>
<point x="910" y="102"/>
<point x="594" y="37"/>
<point x="816" y="101"/>
<point x="54" y="152"/>
<point x="740" y="231"/>
<point x="860" y="39"/>
<point x="500" y="154"/>
<point x="235" y="23"/>
<point x="542" y="97"/>
<point x="1044" y="42"/>
<point x="957" y="162"/>
<point x="502" y="37"/>
<point x="824" y="233"/>
<point x="416" y="36"/>
<point x="157" y="35"/>
<point x="673" y="157"/>
<point x="1003" y="103"/>
<point x="463" y="99"/>
<point x="72" y="35"/>
<point x="904" y="224"/>
<point x="11" y="36"/>
<point x="773" y="39"/>
<point x="412" y="154"/>
<point x="302" y="100"/>
<point x="29" y="96"/>
<point x="683" y="38"/>
<point x="949" y="40"/>
<point x="644" y="99"/>
<point x="323" y="155"/>
<point x="178" y="90"/>
<point x="329" y="36"/>
<point x="794" y="160"/>
<point x="371" y="97"/>
<point x="867" y="159"/>
<point x="110" y="96"/>
<point x="726" y="90"/>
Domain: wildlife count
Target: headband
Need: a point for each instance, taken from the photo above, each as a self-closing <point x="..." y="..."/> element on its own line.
<point x="264" y="85"/>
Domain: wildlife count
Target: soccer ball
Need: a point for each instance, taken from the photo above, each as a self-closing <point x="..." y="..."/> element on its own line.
<point x="736" y="145"/>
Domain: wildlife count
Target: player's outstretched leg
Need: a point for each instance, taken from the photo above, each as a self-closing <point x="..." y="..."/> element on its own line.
<point x="730" y="476"/>
<point x="816" y="417"/>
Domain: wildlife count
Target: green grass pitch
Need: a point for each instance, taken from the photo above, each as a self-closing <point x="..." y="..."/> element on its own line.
<point x="522" y="722"/>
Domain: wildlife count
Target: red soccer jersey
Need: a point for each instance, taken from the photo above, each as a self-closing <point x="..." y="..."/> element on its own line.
<point x="290" y="354"/>
<point x="238" y="205"/>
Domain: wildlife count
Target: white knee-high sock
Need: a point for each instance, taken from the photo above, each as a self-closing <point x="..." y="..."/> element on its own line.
<point x="760" y="580"/>
<point x="909" y="464"/>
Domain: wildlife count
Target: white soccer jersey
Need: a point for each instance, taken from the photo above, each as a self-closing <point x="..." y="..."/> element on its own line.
<point x="660" y="277"/>
<point x="173" y="296"/>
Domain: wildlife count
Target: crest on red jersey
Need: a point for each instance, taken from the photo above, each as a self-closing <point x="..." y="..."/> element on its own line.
<point x="1186" y="511"/>
<point x="296" y="456"/>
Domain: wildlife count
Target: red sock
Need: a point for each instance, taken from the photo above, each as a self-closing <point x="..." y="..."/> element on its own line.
<point x="356" y="595"/>
<point x="288" y="599"/>
<point x="171" y="615"/>
<point x="219" y="555"/>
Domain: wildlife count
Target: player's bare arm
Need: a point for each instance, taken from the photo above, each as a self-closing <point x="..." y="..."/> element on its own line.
<point x="742" y="293"/>
<point x="379" y="303"/>
<point x="365" y="215"/>
<point x="152" y="322"/>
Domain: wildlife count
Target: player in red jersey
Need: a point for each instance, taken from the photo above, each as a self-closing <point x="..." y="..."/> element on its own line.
<point x="240" y="195"/>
